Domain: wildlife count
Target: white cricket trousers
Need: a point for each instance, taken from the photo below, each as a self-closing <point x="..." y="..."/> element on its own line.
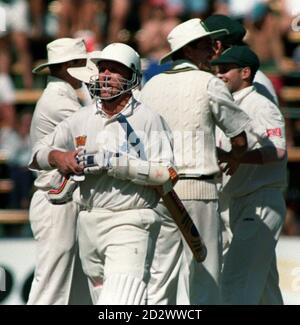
<point x="54" y="229"/>
<point x="224" y="216"/>
<point x="116" y="249"/>
<point x="199" y="283"/>
<point x="250" y="274"/>
<point x="162" y="287"/>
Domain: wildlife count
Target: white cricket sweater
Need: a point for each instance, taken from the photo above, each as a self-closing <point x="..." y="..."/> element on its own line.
<point x="193" y="102"/>
<point x="58" y="101"/>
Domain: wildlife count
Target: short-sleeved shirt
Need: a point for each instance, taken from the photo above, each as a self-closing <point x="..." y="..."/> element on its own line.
<point x="268" y="125"/>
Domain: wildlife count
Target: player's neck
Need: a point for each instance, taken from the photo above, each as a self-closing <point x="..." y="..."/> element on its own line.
<point x="114" y="107"/>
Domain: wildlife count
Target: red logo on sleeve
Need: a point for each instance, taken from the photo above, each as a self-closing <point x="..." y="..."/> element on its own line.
<point x="274" y="132"/>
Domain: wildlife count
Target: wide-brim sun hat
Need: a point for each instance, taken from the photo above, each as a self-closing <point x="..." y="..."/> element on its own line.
<point x="63" y="50"/>
<point x="188" y="32"/>
<point x="85" y="73"/>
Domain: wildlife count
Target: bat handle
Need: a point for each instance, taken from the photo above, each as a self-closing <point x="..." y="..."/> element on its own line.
<point x="78" y="178"/>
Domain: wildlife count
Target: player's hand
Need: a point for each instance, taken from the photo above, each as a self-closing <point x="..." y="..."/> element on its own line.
<point x="223" y="155"/>
<point x="65" y="162"/>
<point x="228" y="163"/>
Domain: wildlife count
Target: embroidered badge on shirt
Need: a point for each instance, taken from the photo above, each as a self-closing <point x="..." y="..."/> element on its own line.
<point x="274" y="132"/>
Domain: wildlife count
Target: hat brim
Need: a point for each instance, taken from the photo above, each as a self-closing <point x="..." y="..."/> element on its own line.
<point x="82" y="73"/>
<point x="220" y="61"/>
<point x="213" y="35"/>
<point x="41" y="67"/>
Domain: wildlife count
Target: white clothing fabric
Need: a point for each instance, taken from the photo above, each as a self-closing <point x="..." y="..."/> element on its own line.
<point x="53" y="227"/>
<point x="264" y="86"/>
<point x="256" y="210"/>
<point x="118" y="230"/>
<point x="268" y="123"/>
<point x="124" y="243"/>
<point x="250" y="275"/>
<point x="163" y="283"/>
<point x="58" y="101"/>
<point x="193" y="102"/>
<point x="199" y="282"/>
<point x="106" y="133"/>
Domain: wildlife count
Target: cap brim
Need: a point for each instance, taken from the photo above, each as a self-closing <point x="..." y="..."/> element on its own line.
<point x="213" y="35"/>
<point x="224" y="61"/>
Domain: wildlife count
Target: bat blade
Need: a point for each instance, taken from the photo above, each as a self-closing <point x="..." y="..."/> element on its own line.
<point x="185" y="224"/>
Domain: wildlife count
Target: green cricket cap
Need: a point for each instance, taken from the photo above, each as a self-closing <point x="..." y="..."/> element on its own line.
<point x="242" y="56"/>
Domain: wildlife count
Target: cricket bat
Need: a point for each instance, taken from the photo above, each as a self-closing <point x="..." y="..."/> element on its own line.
<point x="183" y="220"/>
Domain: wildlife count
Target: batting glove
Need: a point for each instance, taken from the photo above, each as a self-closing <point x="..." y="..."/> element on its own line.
<point x="93" y="162"/>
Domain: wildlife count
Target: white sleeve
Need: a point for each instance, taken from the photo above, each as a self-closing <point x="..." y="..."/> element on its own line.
<point x="273" y="126"/>
<point x="228" y="116"/>
<point x="59" y="139"/>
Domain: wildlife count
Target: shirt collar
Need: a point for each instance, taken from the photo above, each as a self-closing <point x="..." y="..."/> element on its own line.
<point x="241" y="94"/>
<point x="126" y="111"/>
<point x="182" y="64"/>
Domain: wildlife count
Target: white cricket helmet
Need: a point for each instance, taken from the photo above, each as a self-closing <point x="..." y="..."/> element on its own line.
<point x="125" y="55"/>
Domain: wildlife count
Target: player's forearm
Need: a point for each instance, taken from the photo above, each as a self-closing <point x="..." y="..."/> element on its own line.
<point x="40" y="159"/>
<point x="48" y="158"/>
<point x="54" y="158"/>
<point x="263" y="156"/>
<point x="44" y="159"/>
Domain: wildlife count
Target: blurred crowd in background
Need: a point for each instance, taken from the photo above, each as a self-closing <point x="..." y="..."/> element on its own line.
<point x="273" y="29"/>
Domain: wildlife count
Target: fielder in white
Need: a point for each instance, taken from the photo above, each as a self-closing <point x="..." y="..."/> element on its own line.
<point x="54" y="226"/>
<point x="254" y="192"/>
<point x="117" y="224"/>
<point x="263" y="85"/>
<point x="193" y="102"/>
